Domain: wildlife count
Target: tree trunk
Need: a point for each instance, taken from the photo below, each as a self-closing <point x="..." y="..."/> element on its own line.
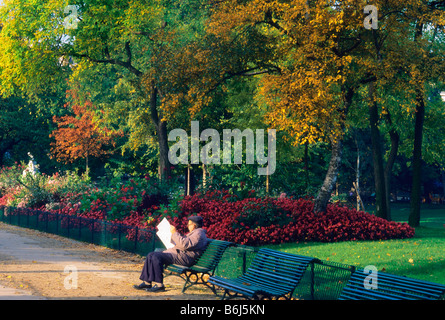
<point x="324" y="194"/>
<point x="161" y="132"/>
<point x="204" y="176"/>
<point x="164" y="164"/>
<point x="322" y="199"/>
<point x="189" y="180"/>
<point x="395" y="139"/>
<point x="379" y="177"/>
<point x="443" y="184"/>
<point x="87" y="168"/>
<point x="416" y="190"/>
<point x="357" y="180"/>
<point x="306" y="166"/>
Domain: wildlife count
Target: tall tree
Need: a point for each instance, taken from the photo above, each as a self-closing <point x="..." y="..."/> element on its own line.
<point x="377" y="155"/>
<point x="429" y="66"/>
<point x="323" y="54"/>
<point x="38" y="36"/>
<point x="80" y="136"/>
<point x="315" y="78"/>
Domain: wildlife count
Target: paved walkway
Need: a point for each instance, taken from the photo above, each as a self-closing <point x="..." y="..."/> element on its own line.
<point x="16" y="294"/>
<point x="22" y="248"/>
<point x="36" y="265"/>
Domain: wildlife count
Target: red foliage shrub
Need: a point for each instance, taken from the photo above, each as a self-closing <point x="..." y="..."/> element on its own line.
<point x="294" y="221"/>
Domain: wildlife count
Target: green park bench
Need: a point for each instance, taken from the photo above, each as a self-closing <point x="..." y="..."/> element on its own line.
<point x="272" y="274"/>
<point x="203" y="267"/>
<point x="389" y="287"/>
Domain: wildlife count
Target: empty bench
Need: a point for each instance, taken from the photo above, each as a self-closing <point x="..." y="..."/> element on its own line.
<point x="383" y="286"/>
<point x="203" y="267"/>
<point x="272" y="274"/>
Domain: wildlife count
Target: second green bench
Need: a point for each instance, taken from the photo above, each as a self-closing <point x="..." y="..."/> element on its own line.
<point x="272" y="274"/>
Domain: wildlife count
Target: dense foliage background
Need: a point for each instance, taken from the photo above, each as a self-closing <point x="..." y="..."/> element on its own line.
<point x="91" y="94"/>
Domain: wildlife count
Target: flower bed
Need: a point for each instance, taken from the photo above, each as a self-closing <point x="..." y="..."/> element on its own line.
<point x="259" y="221"/>
<point x="243" y="219"/>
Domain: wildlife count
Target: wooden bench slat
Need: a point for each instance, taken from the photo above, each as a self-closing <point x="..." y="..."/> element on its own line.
<point x="271" y="282"/>
<point x="229" y="284"/>
<point x="389" y="287"/>
<point x="392" y="295"/>
<point x="394" y="287"/>
<point x="261" y="275"/>
<point x="359" y="295"/>
<point x="404" y="282"/>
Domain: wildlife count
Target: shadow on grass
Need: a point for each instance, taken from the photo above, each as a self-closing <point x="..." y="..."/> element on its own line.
<point x="429" y="232"/>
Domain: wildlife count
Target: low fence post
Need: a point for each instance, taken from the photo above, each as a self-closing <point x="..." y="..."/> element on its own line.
<point x="80" y="227"/>
<point x="57" y="223"/>
<point x="153" y="241"/>
<point x="47" y="222"/>
<point x="37" y="220"/>
<point x="136" y="239"/>
<point x="92" y="230"/>
<point x="119" y="228"/>
<point x="312" y="281"/>
<point x="68" y="218"/>
<point x="103" y="233"/>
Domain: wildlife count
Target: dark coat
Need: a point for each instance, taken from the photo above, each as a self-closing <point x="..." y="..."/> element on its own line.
<point x="188" y="248"/>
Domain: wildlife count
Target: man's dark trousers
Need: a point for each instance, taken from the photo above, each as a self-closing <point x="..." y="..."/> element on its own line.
<point x="154" y="266"/>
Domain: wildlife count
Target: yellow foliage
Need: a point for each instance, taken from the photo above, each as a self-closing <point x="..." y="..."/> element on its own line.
<point x="323" y="49"/>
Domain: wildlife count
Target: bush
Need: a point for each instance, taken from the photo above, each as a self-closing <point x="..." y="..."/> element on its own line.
<point x="237" y="217"/>
<point x="22" y="189"/>
<point x="256" y="214"/>
<point x="259" y="221"/>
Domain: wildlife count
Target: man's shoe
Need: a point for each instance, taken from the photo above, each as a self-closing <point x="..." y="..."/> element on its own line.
<point x="156" y="288"/>
<point x="142" y="286"/>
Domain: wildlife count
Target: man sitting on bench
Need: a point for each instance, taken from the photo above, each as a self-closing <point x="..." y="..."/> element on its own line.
<point x="185" y="252"/>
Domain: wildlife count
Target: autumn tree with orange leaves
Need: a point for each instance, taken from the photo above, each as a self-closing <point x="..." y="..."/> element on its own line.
<point x="80" y="136"/>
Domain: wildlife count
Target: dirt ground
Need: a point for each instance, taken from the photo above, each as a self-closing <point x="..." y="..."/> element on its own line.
<point x="37" y="265"/>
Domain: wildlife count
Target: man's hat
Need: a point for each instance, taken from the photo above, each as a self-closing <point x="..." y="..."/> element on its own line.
<point x="196" y="219"/>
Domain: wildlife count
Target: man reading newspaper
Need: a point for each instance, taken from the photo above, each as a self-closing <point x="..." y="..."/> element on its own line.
<point x="185" y="251"/>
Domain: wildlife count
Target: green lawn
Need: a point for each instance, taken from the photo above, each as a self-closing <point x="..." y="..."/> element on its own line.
<point x="421" y="257"/>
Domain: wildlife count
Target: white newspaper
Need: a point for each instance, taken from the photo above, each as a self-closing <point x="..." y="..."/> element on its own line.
<point x="164" y="233"/>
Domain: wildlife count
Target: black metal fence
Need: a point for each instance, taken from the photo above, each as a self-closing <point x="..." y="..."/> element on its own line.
<point x="108" y="234"/>
<point x="324" y="280"/>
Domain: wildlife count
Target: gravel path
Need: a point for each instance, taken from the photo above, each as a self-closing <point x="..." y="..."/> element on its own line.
<point x="37" y="265"/>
